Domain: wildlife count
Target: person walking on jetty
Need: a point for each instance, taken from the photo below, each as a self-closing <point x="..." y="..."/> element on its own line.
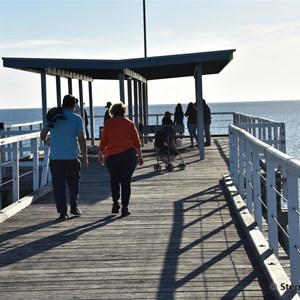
<point x="120" y="144"/>
<point x="191" y="114"/>
<point x="66" y="131"/>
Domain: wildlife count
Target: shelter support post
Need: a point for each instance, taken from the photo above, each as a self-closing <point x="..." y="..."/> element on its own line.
<point x="140" y="91"/>
<point x="136" y="100"/>
<point x="70" y="86"/>
<point x="145" y="103"/>
<point x="200" y="119"/>
<point x="121" y="84"/>
<point x="58" y="90"/>
<point x="129" y="91"/>
<point x="44" y="94"/>
<point x="80" y="98"/>
<point x="91" y="106"/>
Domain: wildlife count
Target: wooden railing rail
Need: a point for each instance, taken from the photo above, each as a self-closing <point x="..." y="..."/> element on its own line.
<point x="256" y="166"/>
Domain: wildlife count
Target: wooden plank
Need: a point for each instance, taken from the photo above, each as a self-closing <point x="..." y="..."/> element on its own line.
<point x="182" y="240"/>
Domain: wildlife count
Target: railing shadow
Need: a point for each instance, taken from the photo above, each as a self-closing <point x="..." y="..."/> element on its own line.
<point x="18" y="253"/>
<point x="170" y="282"/>
<point x="223" y="154"/>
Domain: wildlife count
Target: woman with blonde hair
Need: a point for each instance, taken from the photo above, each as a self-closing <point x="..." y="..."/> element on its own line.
<point x="120" y="143"/>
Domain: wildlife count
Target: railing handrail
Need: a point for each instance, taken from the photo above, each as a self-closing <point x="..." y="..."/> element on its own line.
<point x="246" y="156"/>
<point x="19" y="138"/>
<point x="12" y="150"/>
<point x="267" y="130"/>
<point x="241" y="117"/>
<point x="24" y="124"/>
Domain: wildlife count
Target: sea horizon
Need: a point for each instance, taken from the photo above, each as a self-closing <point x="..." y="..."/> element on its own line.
<point x="286" y="111"/>
<point x="175" y="103"/>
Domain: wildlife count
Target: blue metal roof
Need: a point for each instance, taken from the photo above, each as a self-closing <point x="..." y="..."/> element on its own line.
<point x="151" y="68"/>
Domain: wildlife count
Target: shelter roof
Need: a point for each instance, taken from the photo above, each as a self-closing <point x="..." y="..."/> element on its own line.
<point x="157" y="67"/>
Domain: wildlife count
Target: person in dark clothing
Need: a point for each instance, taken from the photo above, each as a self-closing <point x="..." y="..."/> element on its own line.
<point x="191" y="114"/>
<point x="166" y="120"/>
<point x="86" y="123"/>
<point x="207" y="122"/>
<point x="107" y="115"/>
<point x="178" y="115"/>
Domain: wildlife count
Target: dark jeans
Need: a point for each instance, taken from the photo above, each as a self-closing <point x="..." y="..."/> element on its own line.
<point x="65" y="171"/>
<point x="207" y="131"/>
<point x="192" y="128"/>
<point x="120" y="168"/>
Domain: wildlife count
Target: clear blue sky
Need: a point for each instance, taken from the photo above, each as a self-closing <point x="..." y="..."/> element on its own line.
<point x="265" y="35"/>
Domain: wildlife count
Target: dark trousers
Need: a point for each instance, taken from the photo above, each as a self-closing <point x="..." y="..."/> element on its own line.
<point x="207" y="131"/>
<point x="120" y="168"/>
<point x="65" y="171"/>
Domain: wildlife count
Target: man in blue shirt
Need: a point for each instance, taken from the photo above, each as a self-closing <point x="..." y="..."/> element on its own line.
<point x="65" y="135"/>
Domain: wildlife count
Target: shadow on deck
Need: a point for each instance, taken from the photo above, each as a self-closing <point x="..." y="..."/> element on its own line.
<point x="182" y="241"/>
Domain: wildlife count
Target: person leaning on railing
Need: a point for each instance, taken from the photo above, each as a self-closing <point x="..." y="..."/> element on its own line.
<point x="191" y="114"/>
<point x="207" y="122"/>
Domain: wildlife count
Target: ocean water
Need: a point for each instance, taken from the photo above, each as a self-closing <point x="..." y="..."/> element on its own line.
<point x="286" y="111"/>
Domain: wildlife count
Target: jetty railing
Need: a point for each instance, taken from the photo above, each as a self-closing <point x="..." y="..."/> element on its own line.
<point x="266" y="130"/>
<point x="268" y="180"/>
<point x="21" y="152"/>
<point x="22" y="128"/>
<point x="219" y="125"/>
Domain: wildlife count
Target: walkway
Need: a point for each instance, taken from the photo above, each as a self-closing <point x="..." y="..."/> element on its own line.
<point x="182" y="240"/>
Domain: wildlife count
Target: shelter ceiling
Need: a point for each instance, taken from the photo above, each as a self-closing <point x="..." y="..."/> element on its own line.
<point x="151" y="68"/>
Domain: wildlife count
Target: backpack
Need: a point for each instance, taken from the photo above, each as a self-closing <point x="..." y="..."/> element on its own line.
<point x="54" y="114"/>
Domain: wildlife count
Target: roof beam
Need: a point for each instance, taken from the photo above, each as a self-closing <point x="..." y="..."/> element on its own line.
<point x="67" y="74"/>
<point x="134" y="75"/>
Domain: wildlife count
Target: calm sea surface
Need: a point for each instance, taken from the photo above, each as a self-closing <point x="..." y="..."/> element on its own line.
<point x="282" y="111"/>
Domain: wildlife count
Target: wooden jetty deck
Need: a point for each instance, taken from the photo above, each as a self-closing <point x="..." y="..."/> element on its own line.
<point x="182" y="241"/>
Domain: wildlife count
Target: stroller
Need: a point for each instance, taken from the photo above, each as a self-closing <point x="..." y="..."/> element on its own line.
<point x="165" y="146"/>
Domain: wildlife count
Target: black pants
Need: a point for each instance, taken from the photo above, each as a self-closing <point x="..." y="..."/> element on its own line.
<point x="65" y="171"/>
<point x="120" y="168"/>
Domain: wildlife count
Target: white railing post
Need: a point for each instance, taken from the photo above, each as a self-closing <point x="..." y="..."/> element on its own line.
<point x="271" y="203"/>
<point x="45" y="166"/>
<point x="35" y="164"/>
<point x="249" y="174"/>
<point x="32" y="140"/>
<point x="257" y="187"/>
<point x="294" y="224"/>
<point x="233" y="157"/>
<point x="282" y="145"/>
<point x="241" y="160"/>
<point x="15" y="172"/>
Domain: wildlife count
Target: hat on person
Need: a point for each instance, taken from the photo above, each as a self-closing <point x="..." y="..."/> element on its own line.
<point x="167" y="113"/>
<point x="108" y="104"/>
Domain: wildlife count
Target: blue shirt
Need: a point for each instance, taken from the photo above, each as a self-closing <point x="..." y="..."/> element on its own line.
<point x="63" y="137"/>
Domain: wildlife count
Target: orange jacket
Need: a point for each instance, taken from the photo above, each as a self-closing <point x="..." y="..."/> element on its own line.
<point x="118" y="134"/>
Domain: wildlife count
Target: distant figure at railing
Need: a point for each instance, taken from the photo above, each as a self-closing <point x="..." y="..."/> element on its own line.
<point x="77" y="107"/>
<point x="107" y="115"/>
<point x="207" y="122"/>
<point x="166" y="120"/>
<point x="178" y="115"/>
<point x="86" y="123"/>
<point x="191" y="114"/>
<point x="64" y="163"/>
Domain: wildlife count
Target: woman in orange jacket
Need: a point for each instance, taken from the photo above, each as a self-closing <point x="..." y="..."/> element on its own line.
<point x="120" y="143"/>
